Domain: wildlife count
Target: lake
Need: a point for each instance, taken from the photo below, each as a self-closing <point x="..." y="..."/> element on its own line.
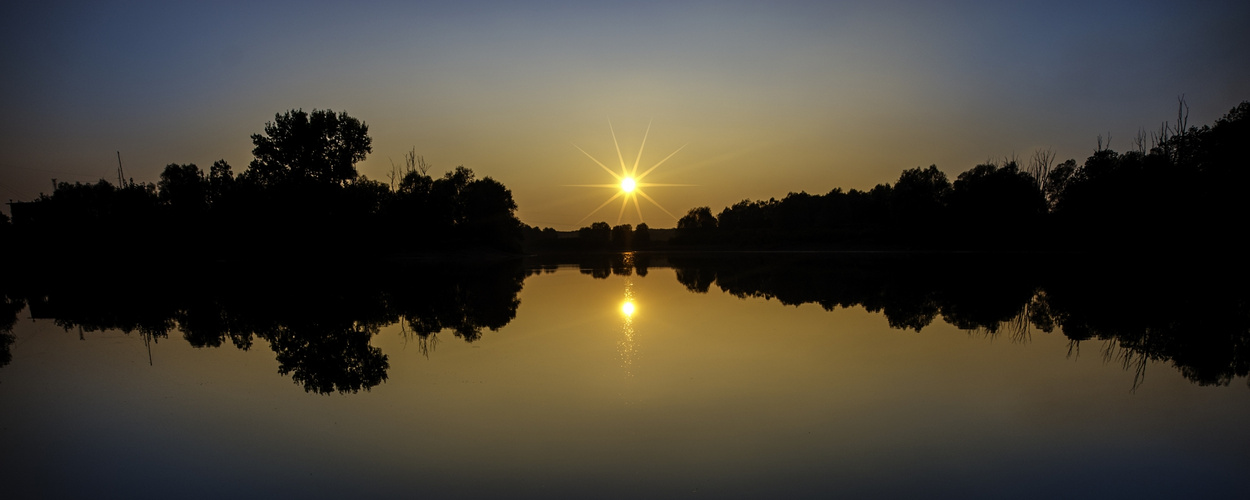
<point x="625" y="376"/>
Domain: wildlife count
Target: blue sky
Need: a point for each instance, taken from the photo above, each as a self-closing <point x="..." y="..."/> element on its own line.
<point x="767" y="98"/>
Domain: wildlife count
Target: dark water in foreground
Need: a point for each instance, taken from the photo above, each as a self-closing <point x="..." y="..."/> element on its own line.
<point x="629" y="377"/>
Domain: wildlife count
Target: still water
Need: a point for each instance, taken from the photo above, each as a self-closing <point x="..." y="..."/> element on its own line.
<point x="619" y="380"/>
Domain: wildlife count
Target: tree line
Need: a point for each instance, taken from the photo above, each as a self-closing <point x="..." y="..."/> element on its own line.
<point x="597" y="237"/>
<point x="300" y="196"/>
<point x="1181" y="187"/>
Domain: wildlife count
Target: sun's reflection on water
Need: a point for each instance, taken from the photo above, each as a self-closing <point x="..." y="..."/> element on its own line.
<point x="627" y="347"/>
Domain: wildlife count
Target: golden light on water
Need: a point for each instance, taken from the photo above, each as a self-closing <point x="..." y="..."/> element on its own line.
<point x="628" y="345"/>
<point x="629" y="182"/>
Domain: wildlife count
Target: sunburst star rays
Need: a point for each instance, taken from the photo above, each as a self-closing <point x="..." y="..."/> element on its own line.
<point x="629" y="183"/>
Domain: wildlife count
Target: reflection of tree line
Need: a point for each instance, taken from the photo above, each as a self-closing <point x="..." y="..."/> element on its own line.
<point x="599" y="265"/>
<point x="1142" y="310"/>
<point x="318" y="323"/>
<point x="1179" y="317"/>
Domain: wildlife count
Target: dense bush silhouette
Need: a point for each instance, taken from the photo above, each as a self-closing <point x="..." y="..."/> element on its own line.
<point x="1182" y="193"/>
<point x="301" y="197"/>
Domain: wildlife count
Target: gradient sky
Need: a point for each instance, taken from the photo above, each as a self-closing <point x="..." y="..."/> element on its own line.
<point x="767" y="98"/>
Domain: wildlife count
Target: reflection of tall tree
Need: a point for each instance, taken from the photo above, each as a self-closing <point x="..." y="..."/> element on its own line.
<point x="207" y="324"/>
<point x="1177" y="317"/>
<point x="9" y="307"/>
<point x="326" y="358"/>
<point x="6" y="340"/>
<point x="463" y="299"/>
<point x="318" y="322"/>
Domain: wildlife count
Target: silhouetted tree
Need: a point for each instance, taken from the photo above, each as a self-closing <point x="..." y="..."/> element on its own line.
<point x="1040" y="165"/>
<point x="623" y="236"/>
<point x="415" y="183"/>
<point x="184" y="188"/>
<point x="6" y="235"/>
<point x="697" y="226"/>
<point x="489" y="215"/>
<point x="321" y="147"/>
<point x="220" y="181"/>
<point x="995" y="205"/>
<point x="697" y="218"/>
<point x="597" y="235"/>
<point x="919" y="202"/>
<point x="1057" y="181"/>
<point x="446" y="207"/>
<point x="642" y="238"/>
<point x="921" y="189"/>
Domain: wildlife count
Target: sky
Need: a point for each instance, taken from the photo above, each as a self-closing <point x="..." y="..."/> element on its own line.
<point x="758" y="99"/>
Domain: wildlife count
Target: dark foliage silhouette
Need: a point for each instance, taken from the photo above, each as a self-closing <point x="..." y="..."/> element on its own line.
<point x="919" y="203"/>
<point x="318" y="321"/>
<point x="597" y="237"/>
<point x="299" y="199"/>
<point x="598" y="265"/>
<point x="993" y="203"/>
<point x="1180" y="194"/>
<point x="10" y="306"/>
<point x="697" y="226"/>
<point x="318" y="147"/>
<point x="641" y="237"/>
<point x="1180" y="316"/>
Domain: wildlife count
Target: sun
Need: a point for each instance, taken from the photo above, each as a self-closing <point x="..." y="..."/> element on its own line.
<point x="629" y="182"/>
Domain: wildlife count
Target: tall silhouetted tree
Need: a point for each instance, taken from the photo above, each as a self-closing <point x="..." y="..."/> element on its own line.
<point x="623" y="236"/>
<point x="697" y="218"/>
<point x="919" y="202"/>
<point x="220" y="181"/>
<point x="596" y="236"/>
<point x="488" y="214"/>
<point x="996" y="205"/>
<point x="321" y="147"/>
<point x="642" y="237"/>
<point x="697" y="226"/>
<point x="184" y="188"/>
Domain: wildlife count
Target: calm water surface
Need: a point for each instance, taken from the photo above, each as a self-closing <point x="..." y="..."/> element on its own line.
<point x="619" y="385"/>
